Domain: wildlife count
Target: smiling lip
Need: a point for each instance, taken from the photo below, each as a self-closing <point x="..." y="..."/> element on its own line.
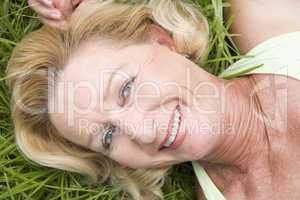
<point x="179" y="136"/>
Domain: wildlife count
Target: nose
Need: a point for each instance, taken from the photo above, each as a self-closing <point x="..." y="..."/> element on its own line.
<point x="138" y="126"/>
<point x="147" y="132"/>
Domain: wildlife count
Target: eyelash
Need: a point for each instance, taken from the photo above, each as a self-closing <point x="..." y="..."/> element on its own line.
<point x="122" y="96"/>
<point x="107" y="135"/>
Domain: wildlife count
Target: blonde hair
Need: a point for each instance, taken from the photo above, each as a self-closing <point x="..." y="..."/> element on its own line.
<point x="48" y="48"/>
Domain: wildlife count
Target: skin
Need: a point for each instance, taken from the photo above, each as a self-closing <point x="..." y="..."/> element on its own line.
<point x="152" y="101"/>
<point x="253" y="155"/>
<point x="54" y="13"/>
<point x="269" y="167"/>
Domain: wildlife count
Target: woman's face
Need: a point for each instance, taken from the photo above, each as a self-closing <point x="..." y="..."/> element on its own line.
<point x="147" y="91"/>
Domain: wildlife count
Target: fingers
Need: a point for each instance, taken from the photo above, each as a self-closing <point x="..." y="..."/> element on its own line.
<point x="47" y="3"/>
<point x="59" y="24"/>
<point x="45" y="10"/>
<point x="48" y="13"/>
<point x="64" y="6"/>
<point x="54" y="13"/>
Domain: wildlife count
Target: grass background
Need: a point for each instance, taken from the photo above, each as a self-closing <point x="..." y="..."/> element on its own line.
<point x="20" y="179"/>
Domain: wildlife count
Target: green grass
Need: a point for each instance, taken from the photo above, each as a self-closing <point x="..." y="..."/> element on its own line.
<point x="20" y="179"/>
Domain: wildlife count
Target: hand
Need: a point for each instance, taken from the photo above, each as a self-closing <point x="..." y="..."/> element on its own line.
<point x="54" y="12"/>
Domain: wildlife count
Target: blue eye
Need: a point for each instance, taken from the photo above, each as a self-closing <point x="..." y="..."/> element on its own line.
<point x="126" y="90"/>
<point x="107" y="136"/>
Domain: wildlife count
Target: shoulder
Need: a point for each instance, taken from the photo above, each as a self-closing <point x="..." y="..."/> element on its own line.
<point x="258" y="20"/>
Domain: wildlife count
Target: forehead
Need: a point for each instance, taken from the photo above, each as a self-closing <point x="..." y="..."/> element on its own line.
<point x="80" y="82"/>
<point x="90" y="67"/>
<point x="104" y="54"/>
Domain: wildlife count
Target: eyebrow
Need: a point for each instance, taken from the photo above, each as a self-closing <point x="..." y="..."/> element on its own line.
<point x="110" y="80"/>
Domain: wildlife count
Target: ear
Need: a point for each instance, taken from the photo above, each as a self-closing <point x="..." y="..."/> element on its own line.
<point x="157" y="34"/>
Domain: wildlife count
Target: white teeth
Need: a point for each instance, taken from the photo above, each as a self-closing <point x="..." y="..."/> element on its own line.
<point x="175" y="126"/>
<point x="172" y="136"/>
<point x="174" y="130"/>
<point x="176" y="120"/>
<point x="171" y="139"/>
<point x="168" y="143"/>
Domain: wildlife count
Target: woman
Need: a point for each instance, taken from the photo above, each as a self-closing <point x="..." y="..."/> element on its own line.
<point x="127" y="108"/>
<point x="133" y="38"/>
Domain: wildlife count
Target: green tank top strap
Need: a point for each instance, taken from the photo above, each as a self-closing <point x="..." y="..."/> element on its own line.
<point x="210" y="190"/>
<point x="279" y="55"/>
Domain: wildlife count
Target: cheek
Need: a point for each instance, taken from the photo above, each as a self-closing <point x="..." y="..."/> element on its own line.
<point x="197" y="146"/>
<point x="147" y="95"/>
<point x="168" y="72"/>
<point x="73" y="134"/>
<point x="128" y="154"/>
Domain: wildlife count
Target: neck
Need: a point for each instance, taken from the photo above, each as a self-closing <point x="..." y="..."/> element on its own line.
<point x="241" y="128"/>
